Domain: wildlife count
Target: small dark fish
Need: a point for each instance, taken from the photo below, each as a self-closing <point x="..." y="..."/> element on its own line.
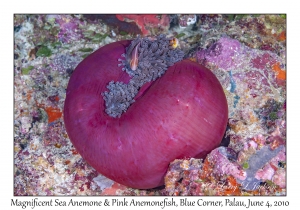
<point x="229" y="153"/>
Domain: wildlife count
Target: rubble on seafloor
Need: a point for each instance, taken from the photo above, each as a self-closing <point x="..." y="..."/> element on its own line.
<point x="247" y="53"/>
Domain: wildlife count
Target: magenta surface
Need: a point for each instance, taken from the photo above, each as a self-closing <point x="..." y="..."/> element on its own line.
<point x="183" y="114"/>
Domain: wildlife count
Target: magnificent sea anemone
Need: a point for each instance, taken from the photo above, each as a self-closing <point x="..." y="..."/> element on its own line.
<point x="132" y="107"/>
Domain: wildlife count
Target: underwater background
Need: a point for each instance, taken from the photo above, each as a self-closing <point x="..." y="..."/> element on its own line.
<point x="246" y="52"/>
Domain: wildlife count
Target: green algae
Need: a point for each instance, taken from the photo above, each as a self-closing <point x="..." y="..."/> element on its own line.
<point x="273" y="116"/>
<point x="44" y="52"/>
<point x="85" y="55"/>
<point x="245" y="165"/>
<point x="180" y="35"/>
<point x="123" y="33"/>
<point x="25" y="71"/>
<point x="86" y="49"/>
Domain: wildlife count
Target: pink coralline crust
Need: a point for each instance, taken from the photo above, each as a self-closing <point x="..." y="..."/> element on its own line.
<point x="235" y="141"/>
<point x="69" y="28"/>
<point x="259" y="139"/>
<point x="145" y="22"/>
<point x="229" y="54"/>
<point x="250" y="144"/>
<point x="226" y="54"/>
<point x="256" y="76"/>
<point x="281" y="156"/>
<point x="115" y="189"/>
<point x="250" y="147"/>
<point x="279" y="178"/>
<point x="276" y="141"/>
<point x="261" y="62"/>
<point x="224" y="166"/>
<point x="196" y="188"/>
<point x="251" y="73"/>
<point x="266" y="173"/>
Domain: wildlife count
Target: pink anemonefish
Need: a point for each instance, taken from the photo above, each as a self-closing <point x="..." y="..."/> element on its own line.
<point x="134" y="58"/>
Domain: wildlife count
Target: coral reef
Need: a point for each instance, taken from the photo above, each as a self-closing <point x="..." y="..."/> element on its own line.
<point x="247" y="53"/>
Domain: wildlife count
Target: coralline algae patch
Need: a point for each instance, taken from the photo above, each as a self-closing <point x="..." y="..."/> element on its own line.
<point x="250" y="76"/>
<point x="247" y="54"/>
